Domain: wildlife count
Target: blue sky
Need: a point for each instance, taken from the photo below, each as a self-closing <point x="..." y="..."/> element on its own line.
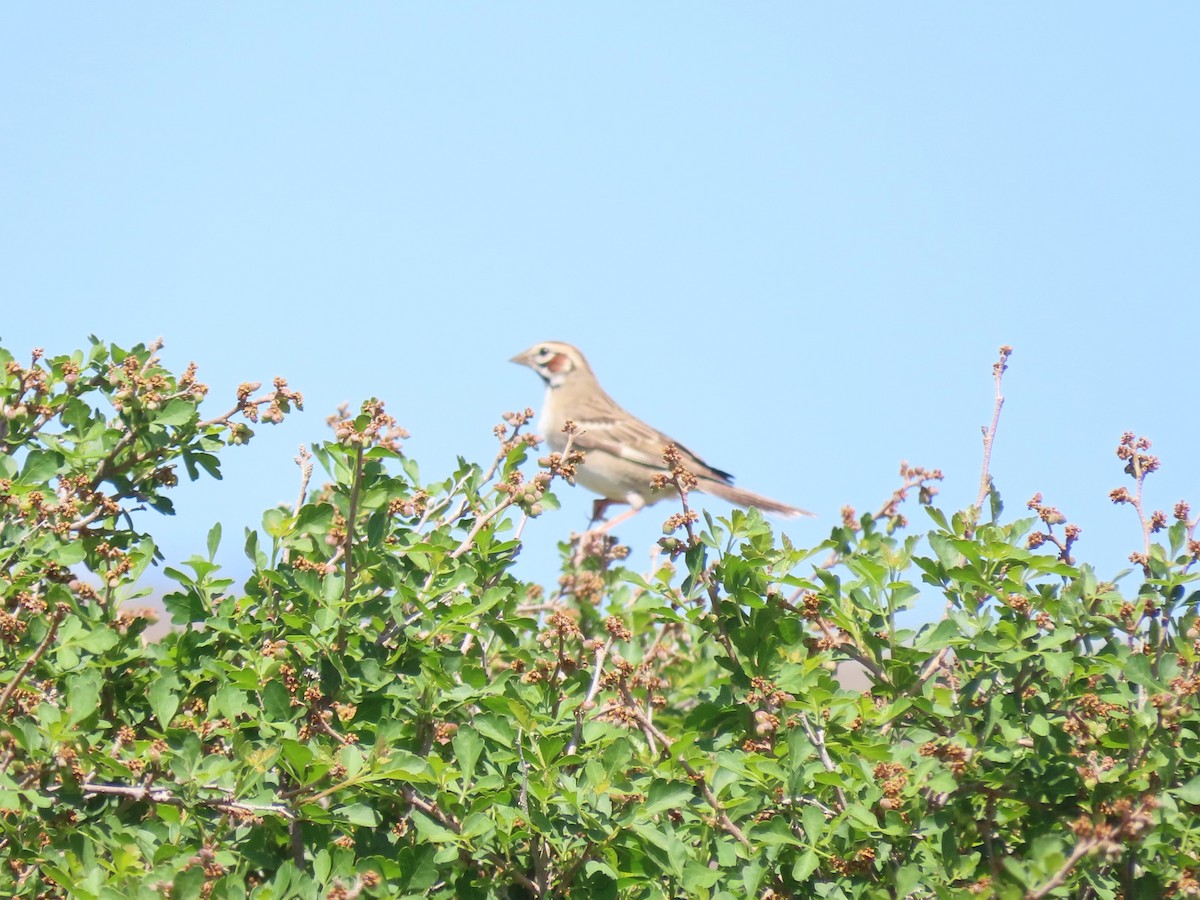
<point x="792" y="236"/>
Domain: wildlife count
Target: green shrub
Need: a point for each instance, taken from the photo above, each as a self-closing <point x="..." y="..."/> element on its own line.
<point x="384" y="710"/>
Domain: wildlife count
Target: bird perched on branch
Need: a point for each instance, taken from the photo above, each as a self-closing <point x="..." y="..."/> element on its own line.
<point x="622" y="453"/>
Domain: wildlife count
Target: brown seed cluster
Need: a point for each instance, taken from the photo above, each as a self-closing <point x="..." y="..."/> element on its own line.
<point x="408" y="507"/>
<point x="1048" y="514"/>
<point x="1019" y="603"/>
<point x="565" y="466"/>
<point x="893" y="779"/>
<point x="1138" y="463"/>
<point x="764" y="691"/>
<point x="615" y="626"/>
<point x="912" y="477"/>
<point x="1094" y="766"/>
<point x="379" y="430"/>
<point x="527" y="494"/>
<point x="1117" y="822"/>
<point x="683" y="480"/>
<point x="1187" y="886"/>
<point x="1051" y="516"/>
<point x="680" y="520"/>
<point x="142" y="386"/>
<point x="516" y="421"/>
<point x="860" y="863"/>
<point x="561" y="624"/>
<point x="810" y="605"/>
<point x="586" y="585"/>
<point x="75" y="504"/>
<point x="11" y="628"/>
<point x="849" y="518"/>
<point x="276" y="403"/>
<point x="953" y="755"/>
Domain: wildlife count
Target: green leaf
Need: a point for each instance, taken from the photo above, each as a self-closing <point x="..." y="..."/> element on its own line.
<point x="862" y="817"/>
<point x="164" y="698"/>
<point x="70" y="553"/>
<point x="1137" y="669"/>
<point x="177" y="412"/>
<point x="83" y="696"/>
<point x="188" y="884"/>
<point x="273" y="522"/>
<point x="214" y="540"/>
<point x="938" y="636"/>
<point x="40" y="466"/>
<point x="1060" y="665"/>
<point x="814" y="823"/>
<point x="403" y="766"/>
<point x="907" y="879"/>
<point x="358" y="814"/>
<point x="230" y="701"/>
<point x="250" y="547"/>
<point x="430" y="830"/>
<point x="277" y="702"/>
<point x="467" y="747"/>
<point x="322" y="864"/>
<point x="666" y="795"/>
<point x="1189" y="792"/>
<point x="805" y="866"/>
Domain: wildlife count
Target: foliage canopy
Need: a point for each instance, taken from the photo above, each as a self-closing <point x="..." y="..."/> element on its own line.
<point x="384" y="710"/>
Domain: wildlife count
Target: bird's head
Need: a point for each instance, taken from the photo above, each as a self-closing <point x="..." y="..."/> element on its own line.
<point x="553" y="360"/>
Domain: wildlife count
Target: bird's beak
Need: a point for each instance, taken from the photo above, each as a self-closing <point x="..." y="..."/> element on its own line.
<point x="521" y="359"/>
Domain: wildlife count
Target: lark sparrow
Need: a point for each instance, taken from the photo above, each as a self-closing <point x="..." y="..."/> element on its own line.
<point x="622" y="453"/>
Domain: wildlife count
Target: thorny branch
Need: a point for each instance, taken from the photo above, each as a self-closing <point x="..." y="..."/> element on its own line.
<point x="654" y="734"/>
<point x="435" y="812"/>
<point x="163" y="795"/>
<point x="480" y="523"/>
<point x="684" y="481"/>
<point x="816" y="737"/>
<point x="59" y="612"/>
<point x="589" y="700"/>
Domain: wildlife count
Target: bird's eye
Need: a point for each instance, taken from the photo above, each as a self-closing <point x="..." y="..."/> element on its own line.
<point x="543" y="352"/>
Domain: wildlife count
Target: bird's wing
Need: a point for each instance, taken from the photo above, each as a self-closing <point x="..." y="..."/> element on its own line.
<point x="606" y="427"/>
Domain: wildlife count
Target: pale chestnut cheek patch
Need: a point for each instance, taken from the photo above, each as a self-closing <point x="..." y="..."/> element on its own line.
<point x="558" y="363"/>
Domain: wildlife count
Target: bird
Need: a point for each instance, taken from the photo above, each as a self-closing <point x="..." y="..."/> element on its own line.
<point x="622" y="454"/>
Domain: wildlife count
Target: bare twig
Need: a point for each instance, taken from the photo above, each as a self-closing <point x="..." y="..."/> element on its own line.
<point x="164" y="795"/>
<point x="816" y="737"/>
<point x="434" y="812"/>
<point x="931" y="666"/>
<point x="913" y="477"/>
<point x="350" y="522"/>
<point x="1085" y="846"/>
<point x="304" y="461"/>
<point x="482" y="522"/>
<point x="296" y="843"/>
<point x="683" y="481"/>
<point x="697" y="778"/>
<point x="989" y="431"/>
<point x="59" y="612"/>
<point x="582" y="709"/>
<point x="106" y="464"/>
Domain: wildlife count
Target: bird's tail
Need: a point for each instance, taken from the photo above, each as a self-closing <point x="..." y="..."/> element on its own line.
<point x="743" y="498"/>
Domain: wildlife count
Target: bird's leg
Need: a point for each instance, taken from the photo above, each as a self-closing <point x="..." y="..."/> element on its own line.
<point x="628" y="514"/>
<point x="599" y="506"/>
